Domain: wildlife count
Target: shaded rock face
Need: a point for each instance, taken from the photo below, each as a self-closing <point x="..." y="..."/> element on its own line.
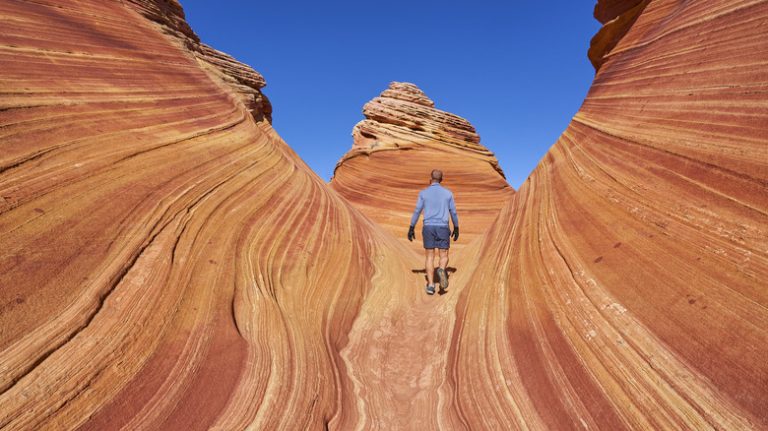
<point x="402" y="139"/>
<point x="617" y="17"/>
<point x="607" y="10"/>
<point x="169" y="263"/>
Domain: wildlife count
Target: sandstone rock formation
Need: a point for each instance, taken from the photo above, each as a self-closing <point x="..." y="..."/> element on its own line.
<point x="607" y="10"/>
<point x="617" y="17"/>
<point x="148" y="277"/>
<point x="167" y="262"/>
<point x="396" y="147"/>
<point x="246" y="82"/>
<point x="625" y="286"/>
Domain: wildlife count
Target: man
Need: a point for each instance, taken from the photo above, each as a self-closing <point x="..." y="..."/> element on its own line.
<point x="437" y="202"/>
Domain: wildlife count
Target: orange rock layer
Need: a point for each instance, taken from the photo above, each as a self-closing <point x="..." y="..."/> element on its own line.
<point x="625" y="286"/>
<point x="167" y="262"/>
<point x="246" y="82"/>
<point x="618" y="17"/>
<point x="404" y="138"/>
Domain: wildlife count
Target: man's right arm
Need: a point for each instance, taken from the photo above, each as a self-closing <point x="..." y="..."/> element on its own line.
<point x="417" y="211"/>
<point x="415" y="217"/>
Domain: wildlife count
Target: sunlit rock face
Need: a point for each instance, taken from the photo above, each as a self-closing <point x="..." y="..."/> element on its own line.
<point x="625" y="286"/>
<point x="168" y="262"/>
<point x="394" y="150"/>
<point x="246" y="82"/>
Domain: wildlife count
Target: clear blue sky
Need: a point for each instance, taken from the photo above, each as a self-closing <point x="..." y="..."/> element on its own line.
<point x="517" y="70"/>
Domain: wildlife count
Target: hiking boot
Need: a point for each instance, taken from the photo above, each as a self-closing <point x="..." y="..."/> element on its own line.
<point x="443" y="278"/>
<point x="430" y="289"/>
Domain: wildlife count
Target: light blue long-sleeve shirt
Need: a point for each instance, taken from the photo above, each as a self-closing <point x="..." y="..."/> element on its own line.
<point x="437" y="202"/>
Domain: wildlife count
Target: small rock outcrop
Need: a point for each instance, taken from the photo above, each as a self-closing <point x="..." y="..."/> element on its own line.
<point x="402" y="138"/>
<point x="617" y="17"/>
<point x="246" y="82"/>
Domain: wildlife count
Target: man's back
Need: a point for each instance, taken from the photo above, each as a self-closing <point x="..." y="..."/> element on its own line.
<point x="437" y="203"/>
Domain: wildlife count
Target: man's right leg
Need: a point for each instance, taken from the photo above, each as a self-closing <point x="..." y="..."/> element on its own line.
<point x="442" y="274"/>
<point x="430" y="265"/>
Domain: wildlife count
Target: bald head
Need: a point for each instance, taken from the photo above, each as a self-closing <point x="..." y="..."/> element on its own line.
<point x="437" y="175"/>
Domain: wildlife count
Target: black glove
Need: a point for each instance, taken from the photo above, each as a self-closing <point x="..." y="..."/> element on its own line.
<point x="411" y="234"/>
<point x="455" y="233"/>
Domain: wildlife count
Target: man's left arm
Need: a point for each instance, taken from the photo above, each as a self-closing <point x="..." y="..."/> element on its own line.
<point x="454" y="218"/>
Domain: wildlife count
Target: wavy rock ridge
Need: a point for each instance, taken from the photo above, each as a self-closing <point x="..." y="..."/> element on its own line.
<point x="396" y="147"/>
<point x="246" y="82"/>
<point x="167" y="262"/>
<point x="625" y="285"/>
<point x="147" y="282"/>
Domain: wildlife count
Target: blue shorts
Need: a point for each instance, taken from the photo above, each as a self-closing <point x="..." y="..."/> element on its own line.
<point x="436" y="237"/>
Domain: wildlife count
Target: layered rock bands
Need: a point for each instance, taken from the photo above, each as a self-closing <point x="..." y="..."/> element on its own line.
<point x="168" y="262"/>
<point x="395" y="148"/>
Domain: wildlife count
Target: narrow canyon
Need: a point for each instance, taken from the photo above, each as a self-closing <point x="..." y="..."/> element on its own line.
<point x="168" y="262"/>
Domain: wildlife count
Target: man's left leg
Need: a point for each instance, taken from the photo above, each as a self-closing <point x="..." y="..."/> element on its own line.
<point x="444" y="259"/>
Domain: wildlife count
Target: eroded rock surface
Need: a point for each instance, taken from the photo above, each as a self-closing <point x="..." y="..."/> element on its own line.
<point x="617" y="18"/>
<point x="625" y="286"/>
<point x="396" y="146"/>
<point x="168" y="262"/>
<point x="246" y="82"/>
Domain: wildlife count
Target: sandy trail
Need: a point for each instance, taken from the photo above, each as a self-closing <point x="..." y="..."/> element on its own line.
<point x="397" y="357"/>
